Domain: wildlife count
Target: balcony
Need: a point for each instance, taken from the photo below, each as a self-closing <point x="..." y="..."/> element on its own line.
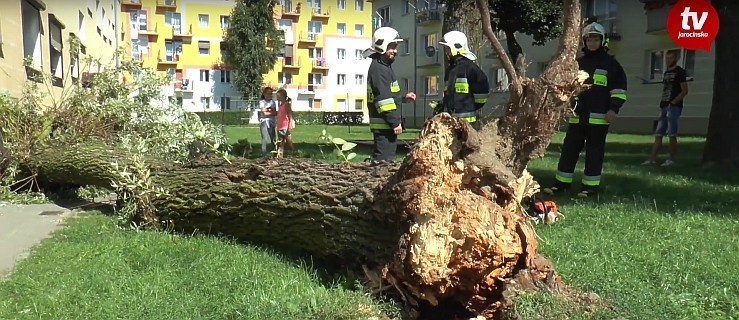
<point x="183" y="85"/>
<point x="130" y="4"/>
<point x="167" y="4"/>
<point x="657" y="18"/>
<point x="290" y="13"/>
<point x="321" y="13"/>
<point x="168" y="60"/>
<point x="309" y="37"/>
<point x="429" y="58"/>
<point x="290" y="63"/>
<point x="428" y="17"/>
<point x="149" y="30"/>
<point x="178" y="32"/>
<point x="320" y="64"/>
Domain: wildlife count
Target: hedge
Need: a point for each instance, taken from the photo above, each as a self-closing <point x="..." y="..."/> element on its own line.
<point x="233" y="117"/>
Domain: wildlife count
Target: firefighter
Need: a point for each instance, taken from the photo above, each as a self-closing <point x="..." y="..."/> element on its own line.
<point x="466" y="86"/>
<point x="383" y="91"/>
<point x="595" y="109"/>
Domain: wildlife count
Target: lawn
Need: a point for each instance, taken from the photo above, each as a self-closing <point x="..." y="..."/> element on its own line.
<point x="660" y="243"/>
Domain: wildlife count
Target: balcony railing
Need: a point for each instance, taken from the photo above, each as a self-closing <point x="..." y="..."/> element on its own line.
<point x="321" y="12"/>
<point x="290" y="62"/>
<point x="168" y="59"/>
<point x="320" y="63"/>
<point x="309" y="37"/>
<point x="428" y="16"/>
<point x="288" y="12"/>
<point x="131" y="3"/>
<point x="149" y="30"/>
<point x="167" y="4"/>
<point x="183" y="85"/>
<point x="179" y="33"/>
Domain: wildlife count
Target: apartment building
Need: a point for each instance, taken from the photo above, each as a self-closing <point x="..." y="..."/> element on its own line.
<point x="35" y="38"/>
<point x="638" y="40"/>
<point x="182" y="38"/>
<point x="322" y="67"/>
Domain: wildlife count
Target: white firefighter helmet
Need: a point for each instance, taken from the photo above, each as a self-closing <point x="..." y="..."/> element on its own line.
<point x="596" y="29"/>
<point x="456" y="41"/>
<point x="381" y="39"/>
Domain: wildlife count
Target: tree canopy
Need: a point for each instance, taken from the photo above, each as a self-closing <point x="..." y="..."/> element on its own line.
<point x="540" y="19"/>
<point x="253" y="43"/>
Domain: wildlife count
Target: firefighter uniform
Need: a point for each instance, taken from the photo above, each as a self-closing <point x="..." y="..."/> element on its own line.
<point x="588" y="128"/>
<point x="383" y="92"/>
<point x="466" y="86"/>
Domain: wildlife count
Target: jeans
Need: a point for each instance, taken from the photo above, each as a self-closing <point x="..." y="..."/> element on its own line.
<point x="267" y="129"/>
<point x="668" y="121"/>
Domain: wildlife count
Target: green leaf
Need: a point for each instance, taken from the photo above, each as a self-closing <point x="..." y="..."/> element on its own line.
<point x="338" y="141"/>
<point x="323" y="132"/>
<point x="348" y="146"/>
<point x="351" y="156"/>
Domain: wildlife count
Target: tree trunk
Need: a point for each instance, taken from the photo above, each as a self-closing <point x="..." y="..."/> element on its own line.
<point x="443" y="228"/>
<point x="432" y="226"/>
<point x="722" y="147"/>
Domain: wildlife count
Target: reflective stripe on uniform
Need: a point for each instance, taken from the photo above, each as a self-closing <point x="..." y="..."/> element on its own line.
<point x="618" y="93"/>
<point x="600" y="77"/>
<point x="394" y="87"/>
<point x="378" y="123"/>
<point x="597" y="118"/>
<point x="466" y="116"/>
<point x="461" y="85"/>
<point x="481" y="97"/>
<point x="565" y="177"/>
<point x="386" y="105"/>
<point x="574" y="120"/>
<point x="591" y="180"/>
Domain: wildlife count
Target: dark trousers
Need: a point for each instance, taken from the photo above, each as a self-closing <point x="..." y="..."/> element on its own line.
<point x="385" y="145"/>
<point x="593" y="138"/>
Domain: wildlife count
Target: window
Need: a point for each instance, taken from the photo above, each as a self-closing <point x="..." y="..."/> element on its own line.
<point x="56" y="48"/>
<point x="358" y="105"/>
<point x="31" y="20"/>
<point x="138" y="21"/>
<point x="314" y="27"/>
<point x="203" y="20"/>
<point x="432" y="83"/>
<point x="284" y="77"/>
<point x="381" y="18"/>
<point x="205" y="102"/>
<point x="225" y="22"/>
<point x="81" y="29"/>
<point x="204" y="75"/>
<point x="341" y="54"/>
<point x="204" y="47"/>
<point x="341" y="28"/>
<point x="404" y="84"/>
<point x="225" y="76"/>
<point x="341" y="105"/>
<point x="406" y="7"/>
<point x="604" y="9"/>
<point x="341" y="4"/>
<point x="429" y="40"/>
<point x="498" y="79"/>
<point x="341" y="79"/>
<point x="315" y="79"/>
<point x="359" y="5"/>
<point x="315" y="53"/>
<point x="74" y="65"/>
<point x="658" y="64"/>
<point x="225" y="103"/>
<point x="404" y="48"/>
<point x="358" y="29"/>
<point x="359" y="79"/>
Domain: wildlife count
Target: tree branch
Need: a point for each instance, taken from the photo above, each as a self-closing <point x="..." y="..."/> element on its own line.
<point x="517" y="88"/>
<point x="569" y="40"/>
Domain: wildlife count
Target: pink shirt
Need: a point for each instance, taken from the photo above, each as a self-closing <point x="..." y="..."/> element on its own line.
<point x="283" y="116"/>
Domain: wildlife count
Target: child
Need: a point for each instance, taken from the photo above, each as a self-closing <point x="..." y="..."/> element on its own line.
<point x="285" y="120"/>
<point x="267" y="110"/>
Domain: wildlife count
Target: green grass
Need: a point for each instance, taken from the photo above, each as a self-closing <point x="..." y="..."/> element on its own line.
<point x="660" y="243"/>
<point x="94" y="270"/>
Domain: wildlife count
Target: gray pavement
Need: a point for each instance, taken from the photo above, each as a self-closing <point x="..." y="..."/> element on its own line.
<point x="24" y="226"/>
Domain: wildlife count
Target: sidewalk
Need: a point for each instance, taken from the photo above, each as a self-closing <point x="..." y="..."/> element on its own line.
<point x="24" y="226"/>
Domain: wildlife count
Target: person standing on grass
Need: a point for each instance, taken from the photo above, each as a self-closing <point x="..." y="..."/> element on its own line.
<point x="674" y="90"/>
<point x="285" y="121"/>
<point x="383" y="91"/>
<point x="595" y="109"/>
<point x="267" y="112"/>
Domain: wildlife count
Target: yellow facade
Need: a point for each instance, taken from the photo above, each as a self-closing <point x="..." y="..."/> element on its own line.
<point x="41" y="31"/>
<point x="306" y="37"/>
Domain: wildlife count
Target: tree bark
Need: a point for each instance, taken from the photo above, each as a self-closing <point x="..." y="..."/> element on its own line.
<point x="722" y="147"/>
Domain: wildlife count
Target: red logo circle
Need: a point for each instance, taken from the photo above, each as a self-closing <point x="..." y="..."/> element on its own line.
<point x="693" y="24"/>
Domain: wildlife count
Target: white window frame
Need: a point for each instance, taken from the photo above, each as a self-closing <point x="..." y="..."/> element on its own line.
<point x="656" y="77"/>
<point x="341" y="28"/>
<point x="341" y="54"/>
<point x="359" y="29"/>
<point x="203" y="20"/>
<point x="359" y="79"/>
<point x="429" y="91"/>
<point x="312" y="77"/>
<point x="341" y="79"/>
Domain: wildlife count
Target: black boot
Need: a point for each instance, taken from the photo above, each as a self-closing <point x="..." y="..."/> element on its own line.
<point x="588" y="191"/>
<point x="558" y="188"/>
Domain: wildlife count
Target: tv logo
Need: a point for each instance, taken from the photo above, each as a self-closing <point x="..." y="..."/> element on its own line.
<point x="693" y="24"/>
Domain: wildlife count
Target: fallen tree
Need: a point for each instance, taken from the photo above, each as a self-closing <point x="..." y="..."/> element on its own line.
<point x="442" y="228"/>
